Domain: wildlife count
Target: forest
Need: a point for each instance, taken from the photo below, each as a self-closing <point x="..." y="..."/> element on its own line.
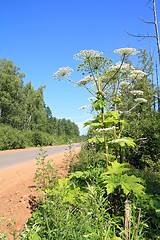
<point x="25" y="120"/>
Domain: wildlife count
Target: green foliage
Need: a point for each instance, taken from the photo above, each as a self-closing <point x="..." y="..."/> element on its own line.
<point x="146" y="133"/>
<point x="11" y="138"/>
<point x="23" y="108"/>
<point x="114" y="178"/>
<point x="45" y="176"/>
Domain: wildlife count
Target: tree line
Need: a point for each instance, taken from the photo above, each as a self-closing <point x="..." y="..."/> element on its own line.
<point x="22" y="109"/>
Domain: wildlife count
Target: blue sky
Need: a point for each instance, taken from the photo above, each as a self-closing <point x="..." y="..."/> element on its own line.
<point x="41" y="36"/>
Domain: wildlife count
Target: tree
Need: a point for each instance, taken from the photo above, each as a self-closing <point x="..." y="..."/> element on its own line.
<point x="11" y="94"/>
<point x="156" y="36"/>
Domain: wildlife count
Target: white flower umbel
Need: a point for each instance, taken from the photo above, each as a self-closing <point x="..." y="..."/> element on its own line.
<point x="83" y="107"/>
<point x="126" y="51"/>
<point x="121" y="66"/>
<point x="118" y="140"/>
<point x="87" y="54"/>
<point x="91" y="99"/>
<point x="106" y="129"/>
<point x="124" y="84"/>
<point x="90" y="120"/>
<point x="62" y="72"/>
<point x="140" y="100"/>
<point x="85" y="80"/>
<point x="137" y="74"/>
<point x="136" y="92"/>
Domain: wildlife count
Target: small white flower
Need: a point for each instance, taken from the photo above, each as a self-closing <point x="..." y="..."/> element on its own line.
<point x="83" y="107"/>
<point x="85" y="80"/>
<point x="140" y="100"/>
<point x="62" y="72"/>
<point x="126" y="51"/>
<point x="118" y="140"/>
<point x="87" y="54"/>
<point x="90" y="120"/>
<point x="91" y="99"/>
<point x="124" y="84"/>
<point x="121" y="66"/>
<point x="136" y="92"/>
<point x="106" y="129"/>
<point x="124" y="112"/>
<point x="137" y="74"/>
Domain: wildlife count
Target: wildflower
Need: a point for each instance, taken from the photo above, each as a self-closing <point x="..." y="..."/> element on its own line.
<point x="85" y="80"/>
<point x="107" y="224"/>
<point x="62" y="72"/>
<point x="124" y="84"/>
<point x="87" y="54"/>
<point x="91" y="99"/>
<point x="126" y="51"/>
<point x="81" y="208"/>
<point x="137" y="74"/>
<point x="140" y="100"/>
<point x="93" y="203"/>
<point x="44" y="235"/>
<point x="90" y="120"/>
<point x="83" y="107"/>
<point x="139" y="92"/>
<point x="121" y="66"/>
<point x="106" y="129"/>
<point x="118" y="140"/>
<point x="96" y="218"/>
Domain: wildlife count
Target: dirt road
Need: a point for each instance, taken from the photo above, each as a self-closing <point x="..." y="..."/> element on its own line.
<point x="16" y="185"/>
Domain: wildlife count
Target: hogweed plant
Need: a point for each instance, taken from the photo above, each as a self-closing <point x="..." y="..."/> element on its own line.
<point x="108" y="84"/>
<point x="114" y="95"/>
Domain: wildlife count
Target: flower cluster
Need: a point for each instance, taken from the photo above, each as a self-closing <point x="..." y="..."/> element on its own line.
<point x="137" y="74"/>
<point x="85" y="80"/>
<point x="83" y="107"/>
<point x="124" y="84"/>
<point x="87" y="54"/>
<point x="62" y="72"/>
<point x="106" y="129"/>
<point x="91" y="99"/>
<point x="140" y="100"/>
<point x="136" y="92"/>
<point x="126" y="51"/>
<point x="121" y="66"/>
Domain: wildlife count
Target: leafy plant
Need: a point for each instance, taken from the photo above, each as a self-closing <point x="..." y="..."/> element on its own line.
<point x="46" y="175"/>
<point x="115" y="177"/>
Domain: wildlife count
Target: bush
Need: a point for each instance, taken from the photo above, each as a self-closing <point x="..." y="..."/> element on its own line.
<point x="11" y="138"/>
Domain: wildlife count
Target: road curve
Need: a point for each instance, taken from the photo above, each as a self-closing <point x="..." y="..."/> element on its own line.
<point x="8" y="159"/>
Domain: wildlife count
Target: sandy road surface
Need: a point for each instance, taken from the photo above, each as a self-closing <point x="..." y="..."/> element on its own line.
<point x="16" y="185"/>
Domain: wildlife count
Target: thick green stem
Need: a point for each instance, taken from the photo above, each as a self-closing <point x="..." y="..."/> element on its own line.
<point x="105" y="140"/>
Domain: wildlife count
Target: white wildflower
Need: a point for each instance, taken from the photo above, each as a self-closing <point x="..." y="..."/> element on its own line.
<point x="118" y="140"/>
<point x="90" y="120"/>
<point x="85" y="80"/>
<point x="121" y="66"/>
<point x="137" y="74"/>
<point x="62" y="72"/>
<point x="91" y="99"/>
<point x="124" y="112"/>
<point x="140" y="100"/>
<point x="83" y="107"/>
<point x="126" y="51"/>
<point x="106" y="129"/>
<point x="87" y="54"/>
<point x="136" y="92"/>
<point x="124" y="84"/>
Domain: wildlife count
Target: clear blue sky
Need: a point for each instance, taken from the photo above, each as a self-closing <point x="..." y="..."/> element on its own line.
<point x="42" y="35"/>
